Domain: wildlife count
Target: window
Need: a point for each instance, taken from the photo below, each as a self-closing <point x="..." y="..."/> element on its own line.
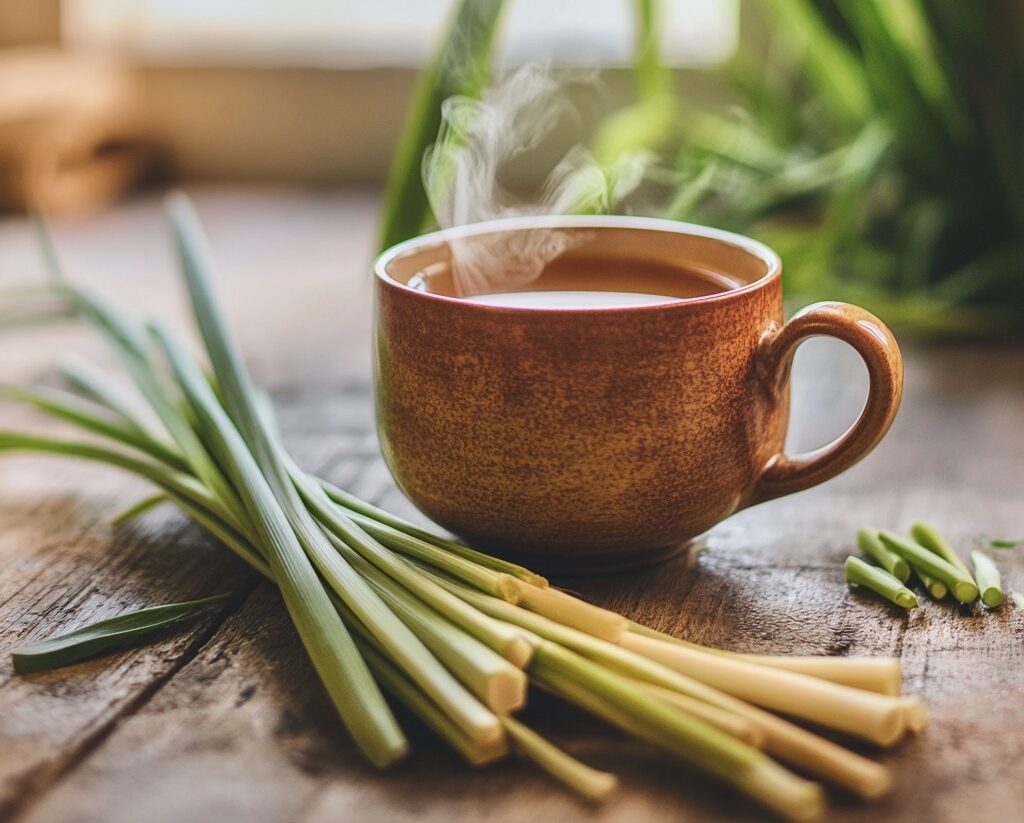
<point x="388" y="32"/>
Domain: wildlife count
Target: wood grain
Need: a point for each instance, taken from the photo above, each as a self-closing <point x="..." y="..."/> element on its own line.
<point x="227" y="722"/>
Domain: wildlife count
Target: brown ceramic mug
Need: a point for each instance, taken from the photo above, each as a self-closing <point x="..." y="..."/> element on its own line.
<point x="591" y="440"/>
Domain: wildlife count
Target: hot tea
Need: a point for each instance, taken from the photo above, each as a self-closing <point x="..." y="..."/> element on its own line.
<point x="582" y="282"/>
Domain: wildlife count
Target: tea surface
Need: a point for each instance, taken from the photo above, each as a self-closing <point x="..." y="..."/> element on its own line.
<point x="575" y="281"/>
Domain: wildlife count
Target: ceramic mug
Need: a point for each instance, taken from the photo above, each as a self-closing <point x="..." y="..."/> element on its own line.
<point x="591" y="440"/>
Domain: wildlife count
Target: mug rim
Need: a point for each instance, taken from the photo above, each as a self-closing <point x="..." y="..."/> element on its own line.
<point x="746" y="244"/>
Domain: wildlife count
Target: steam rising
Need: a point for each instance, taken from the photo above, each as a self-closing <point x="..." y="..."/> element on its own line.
<point x="461" y="177"/>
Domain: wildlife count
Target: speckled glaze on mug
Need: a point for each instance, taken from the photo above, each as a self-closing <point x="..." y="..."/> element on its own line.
<point x="593" y="440"/>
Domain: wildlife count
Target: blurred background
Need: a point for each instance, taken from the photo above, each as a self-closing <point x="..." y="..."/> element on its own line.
<point x="878" y="145"/>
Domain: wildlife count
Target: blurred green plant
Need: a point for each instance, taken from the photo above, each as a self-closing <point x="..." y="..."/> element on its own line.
<point x="878" y="145"/>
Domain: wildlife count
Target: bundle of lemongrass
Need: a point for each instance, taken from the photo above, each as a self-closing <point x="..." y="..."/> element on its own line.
<point x="453" y="634"/>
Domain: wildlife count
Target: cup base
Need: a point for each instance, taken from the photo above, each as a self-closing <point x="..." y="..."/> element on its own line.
<point x="590" y="565"/>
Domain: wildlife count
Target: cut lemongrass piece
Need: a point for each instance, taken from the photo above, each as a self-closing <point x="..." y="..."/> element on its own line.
<point x="862" y="714"/>
<point x="1018" y="599"/>
<point x="873" y="674"/>
<point x="787" y="741"/>
<point x="614" y="698"/>
<point x="936" y="588"/>
<point x="915" y="714"/>
<point x="882" y="675"/>
<point x="571" y="611"/>
<point x="928" y="537"/>
<point x="960" y="584"/>
<point x="497" y="683"/>
<point x="735" y="725"/>
<point x="475" y="752"/>
<point x="586" y="781"/>
<point x="859" y="573"/>
<point x="872" y="545"/>
<point x="989" y="583"/>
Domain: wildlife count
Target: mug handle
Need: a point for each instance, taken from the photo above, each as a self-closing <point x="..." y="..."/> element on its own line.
<point x="873" y="341"/>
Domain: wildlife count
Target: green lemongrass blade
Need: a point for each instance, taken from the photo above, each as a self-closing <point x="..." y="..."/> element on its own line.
<point x="872" y="545"/>
<point x="859" y="573"/>
<point x="397" y="684"/>
<point x="935" y="542"/>
<point x="960" y="584"/>
<point x="129" y="342"/>
<point x="162" y="476"/>
<point x="125" y="631"/>
<point x="480" y="577"/>
<point x="989" y="582"/>
<point x="607" y="694"/>
<point x="138" y="509"/>
<point x="586" y="781"/>
<point x="127" y="339"/>
<point x="90" y="380"/>
<point x="93" y="418"/>
<point x="495" y="681"/>
<point x="461" y="66"/>
<point x="1018" y="599"/>
<point x="369" y="512"/>
<point x="233" y="539"/>
<point x="990" y="543"/>
<point x="330" y="646"/>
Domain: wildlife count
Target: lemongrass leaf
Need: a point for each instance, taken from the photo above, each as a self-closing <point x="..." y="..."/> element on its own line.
<point x="138" y="509"/>
<point x="125" y="631"/>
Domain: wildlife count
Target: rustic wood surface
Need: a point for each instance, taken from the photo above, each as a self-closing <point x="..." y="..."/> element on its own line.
<point x="227" y="722"/>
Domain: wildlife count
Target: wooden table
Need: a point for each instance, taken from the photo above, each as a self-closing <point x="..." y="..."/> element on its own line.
<point x="227" y="722"/>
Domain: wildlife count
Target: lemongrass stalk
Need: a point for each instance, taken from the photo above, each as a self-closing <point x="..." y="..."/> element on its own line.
<point x="399" y="641"/>
<point x="915" y="714"/>
<point x="507" y="641"/>
<point x="960" y="584"/>
<point x="588" y="782"/>
<point x="936" y="588"/>
<point x="350" y="528"/>
<point x="572" y="611"/>
<point x="989" y="583"/>
<point x="475" y="752"/>
<point x="732" y="724"/>
<point x="783" y="739"/>
<point x="374" y="514"/>
<point x="136" y="510"/>
<point x="873" y="674"/>
<point x="607" y="694"/>
<point x="496" y="682"/>
<point x="91" y="417"/>
<point x="334" y="654"/>
<point x="864" y="715"/>
<point x="1018" y="599"/>
<point x="872" y="545"/>
<point x="859" y="573"/>
<point x="934" y="542"/>
<point x="239" y="395"/>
